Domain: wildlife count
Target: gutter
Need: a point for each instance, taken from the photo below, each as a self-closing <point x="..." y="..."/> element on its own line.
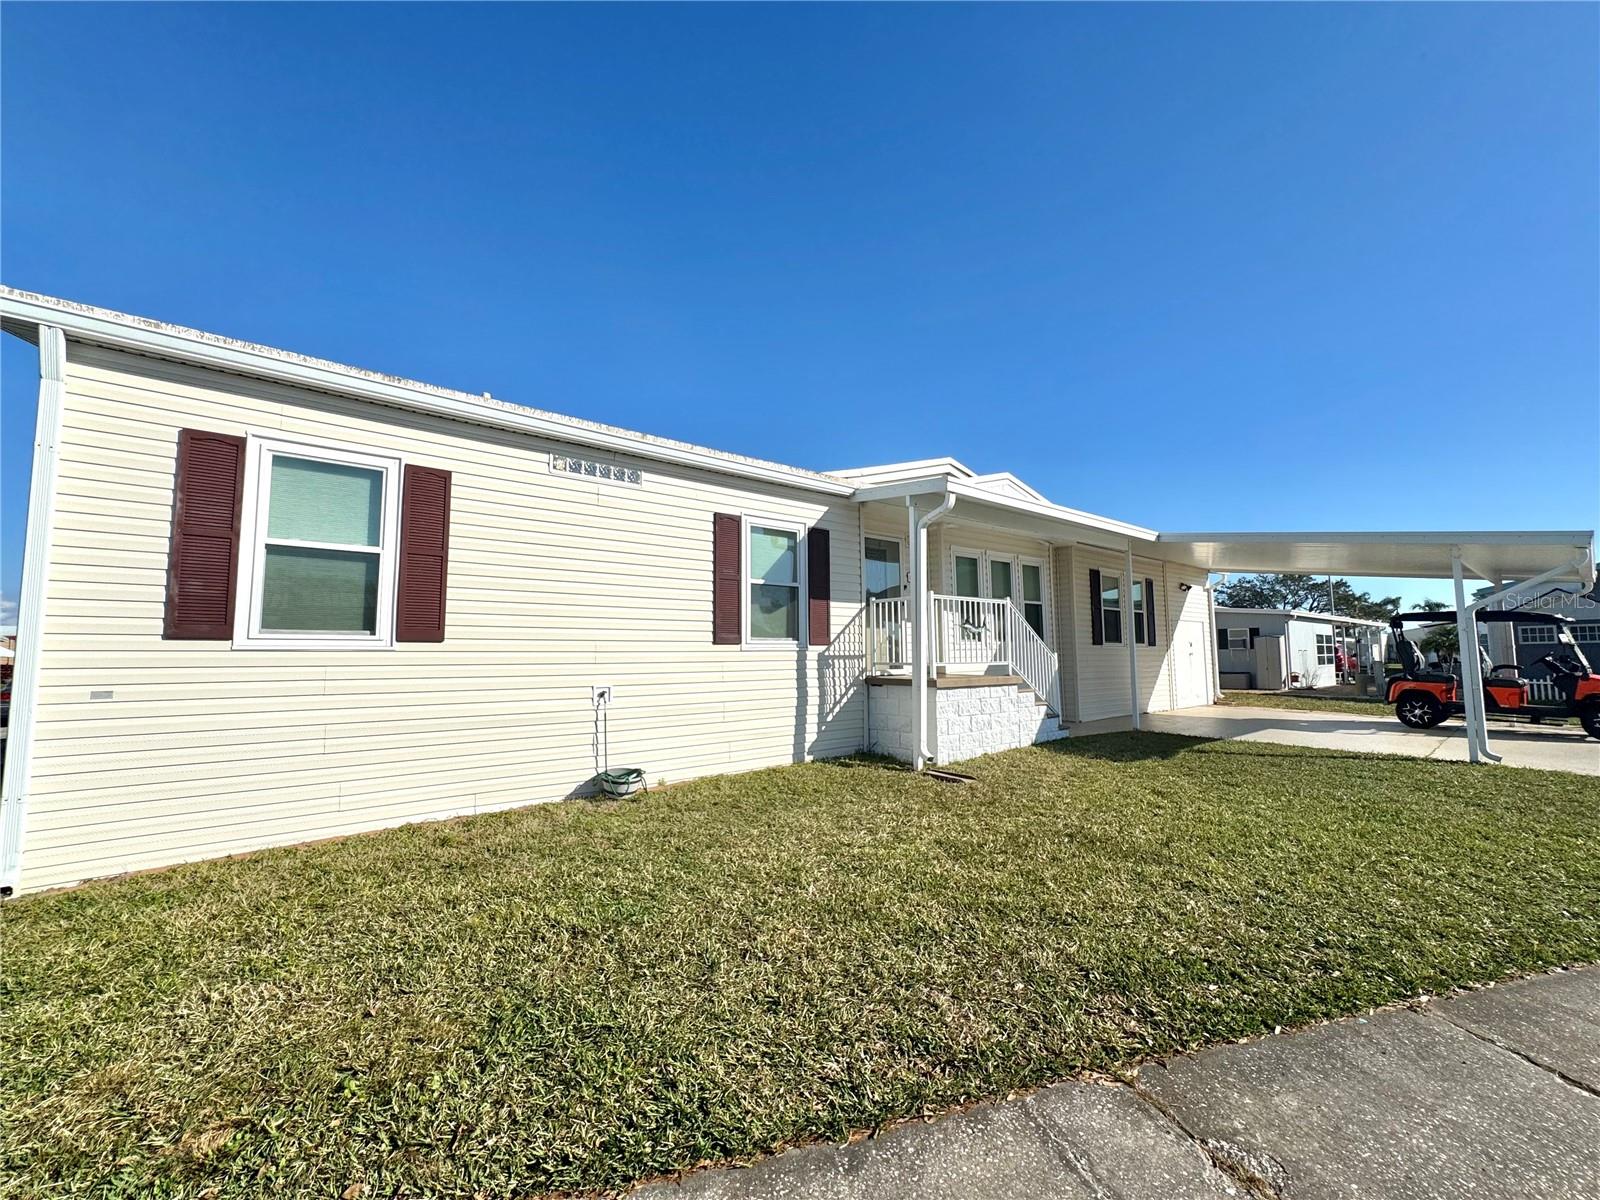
<point x="139" y="335"/>
<point x="30" y="605"/>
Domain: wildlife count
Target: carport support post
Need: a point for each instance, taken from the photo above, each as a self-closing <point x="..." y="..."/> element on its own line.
<point x="1471" y="672"/>
<point x="1128" y="633"/>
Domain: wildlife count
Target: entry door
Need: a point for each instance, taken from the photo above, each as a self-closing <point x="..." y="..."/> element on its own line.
<point x="884" y="573"/>
<point x="884" y="570"/>
<point x="1191" y="685"/>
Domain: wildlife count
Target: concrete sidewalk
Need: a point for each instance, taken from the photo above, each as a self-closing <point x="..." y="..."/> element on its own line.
<point x="1549" y="748"/>
<point x="1486" y="1096"/>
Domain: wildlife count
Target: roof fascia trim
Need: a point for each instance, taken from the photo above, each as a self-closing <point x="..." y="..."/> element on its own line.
<point x="117" y="331"/>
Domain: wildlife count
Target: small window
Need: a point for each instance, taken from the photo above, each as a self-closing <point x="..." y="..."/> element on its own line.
<point x="319" y="556"/>
<point x="1238" y="639"/>
<point x="1536" y="635"/>
<point x="1589" y="631"/>
<point x="966" y="576"/>
<point x="1033" y="597"/>
<point x="1138" y="612"/>
<point x="773" y="569"/>
<point x="1111" y="606"/>
<point x="1324" y="649"/>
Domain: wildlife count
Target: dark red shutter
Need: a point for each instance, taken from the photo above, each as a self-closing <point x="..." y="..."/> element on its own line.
<point x="203" y="559"/>
<point x="1097" y="618"/>
<point x="726" y="612"/>
<point x="1149" y="612"/>
<point x="819" y="587"/>
<point x="424" y="555"/>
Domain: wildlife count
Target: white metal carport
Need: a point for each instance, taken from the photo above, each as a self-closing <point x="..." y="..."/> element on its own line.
<point x="1532" y="558"/>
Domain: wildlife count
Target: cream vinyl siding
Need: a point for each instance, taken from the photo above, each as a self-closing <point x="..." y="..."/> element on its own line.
<point x="1068" y="615"/>
<point x="1102" y="671"/>
<point x="556" y="583"/>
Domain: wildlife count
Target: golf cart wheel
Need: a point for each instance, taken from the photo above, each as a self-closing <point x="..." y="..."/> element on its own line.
<point x="1418" y="710"/>
<point x="1590" y="716"/>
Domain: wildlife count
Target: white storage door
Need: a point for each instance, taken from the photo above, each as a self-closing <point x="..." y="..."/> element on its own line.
<point x="1191" y="685"/>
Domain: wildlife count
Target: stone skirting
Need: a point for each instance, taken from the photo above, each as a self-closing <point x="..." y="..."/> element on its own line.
<point x="968" y="715"/>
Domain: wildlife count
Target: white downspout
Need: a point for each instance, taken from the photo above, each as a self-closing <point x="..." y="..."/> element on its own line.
<point x="1128" y="634"/>
<point x="30" y="605"/>
<point x="920" y="640"/>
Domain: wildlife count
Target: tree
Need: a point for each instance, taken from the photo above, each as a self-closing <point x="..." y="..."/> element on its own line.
<point x="1308" y="593"/>
<point x="1443" y="640"/>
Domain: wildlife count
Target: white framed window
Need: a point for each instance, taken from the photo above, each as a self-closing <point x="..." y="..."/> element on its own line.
<point x="318" y="546"/>
<point x="1138" y="612"/>
<point x="774" y="582"/>
<point x="1589" y="631"/>
<point x="1111" y="606"/>
<point x="1033" y="589"/>
<point x="1536" y="635"/>
<point x="1238" y="639"/>
<point x="1324" y="649"/>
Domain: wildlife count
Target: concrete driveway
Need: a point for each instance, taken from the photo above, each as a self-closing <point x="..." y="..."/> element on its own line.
<point x="1551" y="749"/>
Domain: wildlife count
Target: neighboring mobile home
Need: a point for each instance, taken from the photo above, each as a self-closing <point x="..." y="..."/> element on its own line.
<point x="1273" y="648"/>
<point x="268" y="598"/>
<point x="1525" y="645"/>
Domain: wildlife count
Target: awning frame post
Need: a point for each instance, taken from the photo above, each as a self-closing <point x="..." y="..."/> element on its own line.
<point x="1471" y="676"/>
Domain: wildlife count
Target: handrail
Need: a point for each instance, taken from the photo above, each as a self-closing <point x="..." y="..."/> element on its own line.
<point x="970" y="632"/>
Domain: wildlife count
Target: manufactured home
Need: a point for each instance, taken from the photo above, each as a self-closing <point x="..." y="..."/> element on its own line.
<point x="268" y="598"/>
<point x="1271" y="649"/>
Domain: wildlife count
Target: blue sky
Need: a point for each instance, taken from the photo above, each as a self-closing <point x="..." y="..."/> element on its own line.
<point x="1195" y="267"/>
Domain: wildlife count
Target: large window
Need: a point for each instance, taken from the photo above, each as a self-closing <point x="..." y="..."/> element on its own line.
<point x="772" y="560"/>
<point x="1536" y="635"/>
<point x="1111" y="606"/>
<point x="1238" y="639"/>
<point x="317" y="547"/>
<point x="1324" y="649"/>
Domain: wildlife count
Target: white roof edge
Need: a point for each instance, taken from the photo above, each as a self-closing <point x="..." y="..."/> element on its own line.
<point x="1303" y="612"/>
<point x="918" y="469"/>
<point x="157" y="339"/>
<point x="933" y="485"/>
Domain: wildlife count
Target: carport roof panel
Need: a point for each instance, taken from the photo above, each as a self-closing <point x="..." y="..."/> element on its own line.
<point x="1491" y="556"/>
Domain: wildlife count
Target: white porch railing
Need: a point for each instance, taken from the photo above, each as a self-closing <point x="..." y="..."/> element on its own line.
<point x="1542" y="691"/>
<point x="888" y="636"/>
<point x="969" y="634"/>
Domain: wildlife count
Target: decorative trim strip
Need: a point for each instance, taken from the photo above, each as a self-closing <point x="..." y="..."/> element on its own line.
<point x="30" y="605"/>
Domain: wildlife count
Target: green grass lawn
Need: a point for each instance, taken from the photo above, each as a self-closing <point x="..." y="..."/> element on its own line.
<point x="1369" y="707"/>
<point x="577" y="995"/>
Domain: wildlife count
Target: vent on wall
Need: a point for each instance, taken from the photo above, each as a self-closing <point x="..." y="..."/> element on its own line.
<point x="563" y="464"/>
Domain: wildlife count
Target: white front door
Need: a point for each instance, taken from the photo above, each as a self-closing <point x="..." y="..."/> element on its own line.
<point x="1191" y="684"/>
